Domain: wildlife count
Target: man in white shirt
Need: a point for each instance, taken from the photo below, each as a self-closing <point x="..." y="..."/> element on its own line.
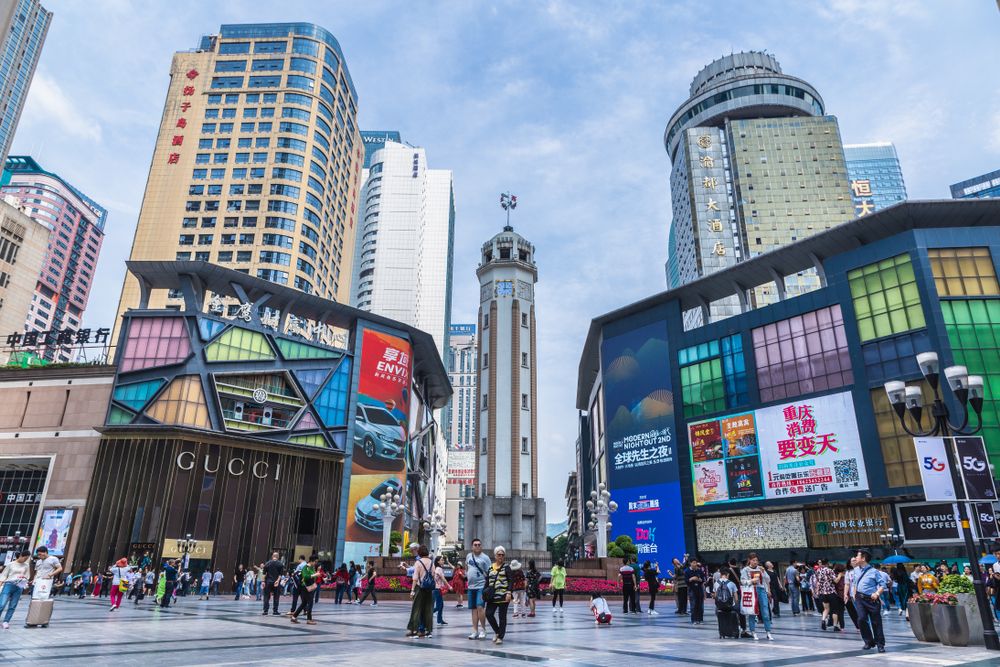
<point x="217" y="580"/>
<point x="46" y="566"/>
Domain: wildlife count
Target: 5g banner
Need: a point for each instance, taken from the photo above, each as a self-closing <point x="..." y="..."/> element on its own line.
<point x="934" y="471"/>
<point x="975" y="467"/>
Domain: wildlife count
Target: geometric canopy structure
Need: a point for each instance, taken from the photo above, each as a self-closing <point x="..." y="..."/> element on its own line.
<point x="331" y="403"/>
<point x="311" y="379"/>
<point x="239" y="345"/>
<point x="155" y="341"/>
<point x="182" y="403"/>
<point x="137" y="394"/>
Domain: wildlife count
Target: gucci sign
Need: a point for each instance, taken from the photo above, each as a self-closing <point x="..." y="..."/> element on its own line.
<point x="235" y="466"/>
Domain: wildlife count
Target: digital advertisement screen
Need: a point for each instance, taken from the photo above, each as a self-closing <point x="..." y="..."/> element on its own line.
<point x="641" y="445"/>
<point x="53" y="531"/>
<point x="803" y="448"/>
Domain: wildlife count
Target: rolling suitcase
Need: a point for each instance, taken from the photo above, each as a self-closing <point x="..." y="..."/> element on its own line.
<point x="729" y="624"/>
<point x="39" y="613"/>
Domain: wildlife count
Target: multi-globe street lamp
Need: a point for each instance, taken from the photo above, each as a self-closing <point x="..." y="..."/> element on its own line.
<point x="390" y="506"/>
<point x="891" y="540"/>
<point x="601" y="507"/>
<point x="186" y="547"/>
<point x="436" y="526"/>
<point x="967" y="391"/>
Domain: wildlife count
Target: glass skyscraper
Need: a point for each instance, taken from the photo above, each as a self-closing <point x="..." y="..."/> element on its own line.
<point x="875" y="175"/>
<point x="258" y="160"/>
<point x="756" y="164"/>
<point x="23" y="26"/>
<point x="986" y="186"/>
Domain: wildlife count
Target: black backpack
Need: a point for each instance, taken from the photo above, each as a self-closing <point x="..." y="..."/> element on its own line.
<point x="724" y="600"/>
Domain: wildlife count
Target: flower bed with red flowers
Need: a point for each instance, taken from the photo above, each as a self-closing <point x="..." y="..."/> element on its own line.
<point x="603" y="586"/>
<point x="935" y="598"/>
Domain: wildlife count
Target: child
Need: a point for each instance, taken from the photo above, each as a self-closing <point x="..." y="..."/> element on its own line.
<point x="602" y="613"/>
<point x="518" y="585"/>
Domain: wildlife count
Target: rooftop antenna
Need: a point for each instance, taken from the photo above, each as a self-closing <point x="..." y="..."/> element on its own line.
<point x="508" y="202"/>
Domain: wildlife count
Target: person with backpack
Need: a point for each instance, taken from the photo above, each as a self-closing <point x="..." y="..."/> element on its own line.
<point x="725" y="606"/>
<point x="422" y="592"/>
<point x="497" y="594"/>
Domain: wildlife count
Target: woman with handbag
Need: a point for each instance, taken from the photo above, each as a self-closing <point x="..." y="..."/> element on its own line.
<point x="119" y="582"/>
<point x="307" y="586"/>
<point x="422" y="593"/>
<point x="13" y="581"/>
<point x="441" y="588"/>
<point x="497" y="594"/>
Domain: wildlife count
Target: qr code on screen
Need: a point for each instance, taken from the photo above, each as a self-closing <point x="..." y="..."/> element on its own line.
<point x="846" y="471"/>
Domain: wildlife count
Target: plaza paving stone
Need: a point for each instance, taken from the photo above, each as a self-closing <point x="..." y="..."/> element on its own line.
<point x="225" y="632"/>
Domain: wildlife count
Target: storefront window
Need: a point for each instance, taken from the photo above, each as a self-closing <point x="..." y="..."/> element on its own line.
<point x="963" y="271"/>
<point x="973" y="327"/>
<point x="802" y="355"/>
<point x="886" y="300"/>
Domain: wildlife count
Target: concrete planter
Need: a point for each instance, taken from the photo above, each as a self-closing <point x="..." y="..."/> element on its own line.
<point x="951" y="624"/>
<point x="967" y="601"/>
<point x="922" y="622"/>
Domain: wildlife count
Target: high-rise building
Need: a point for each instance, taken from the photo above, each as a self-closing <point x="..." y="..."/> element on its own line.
<point x="507" y="509"/>
<point x="373" y="140"/>
<point x="756" y="165"/>
<point x="23" y="26"/>
<point x="574" y="528"/>
<point x="258" y="160"/>
<point x="404" y="246"/>
<point x="460" y="427"/>
<point x="23" y="243"/>
<point x="875" y="175"/>
<point x="77" y="224"/>
<point x="986" y="186"/>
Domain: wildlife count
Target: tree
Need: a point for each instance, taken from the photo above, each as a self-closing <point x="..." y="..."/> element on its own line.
<point x="395" y="539"/>
<point x="622" y="547"/>
<point x="557" y="547"/>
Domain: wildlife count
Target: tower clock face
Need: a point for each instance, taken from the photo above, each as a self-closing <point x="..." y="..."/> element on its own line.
<point x="505" y="288"/>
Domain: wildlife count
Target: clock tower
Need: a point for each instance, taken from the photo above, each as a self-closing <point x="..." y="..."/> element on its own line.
<point x="507" y="510"/>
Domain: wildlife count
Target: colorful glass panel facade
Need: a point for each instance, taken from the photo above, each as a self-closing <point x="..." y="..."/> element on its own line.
<point x="154" y="341"/>
<point x="802" y="355"/>
<point x="118" y="416"/>
<point x="311" y="379"/>
<point x="315" y="440"/>
<point x="291" y="349"/>
<point x="307" y="423"/>
<point x="181" y="403"/>
<point x="898" y="453"/>
<point x="331" y="404"/>
<point x="963" y="271"/>
<point x="734" y="371"/>
<point x="239" y="345"/>
<point x="209" y="329"/>
<point x="702" y="388"/>
<point x="885" y="296"/>
<point x="894" y="358"/>
<point x="137" y="394"/>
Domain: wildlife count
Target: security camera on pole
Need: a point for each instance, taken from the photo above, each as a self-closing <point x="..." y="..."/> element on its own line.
<point x="436" y="526"/>
<point x="601" y="507"/>
<point x="390" y="506"/>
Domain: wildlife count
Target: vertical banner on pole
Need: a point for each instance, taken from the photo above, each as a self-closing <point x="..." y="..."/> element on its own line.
<point x="970" y="452"/>
<point x="934" y="472"/>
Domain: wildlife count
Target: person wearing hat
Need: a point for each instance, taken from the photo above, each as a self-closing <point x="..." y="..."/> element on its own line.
<point x="868" y="589"/>
<point x="518" y="587"/>
<point x="497" y="593"/>
<point x="119" y="583"/>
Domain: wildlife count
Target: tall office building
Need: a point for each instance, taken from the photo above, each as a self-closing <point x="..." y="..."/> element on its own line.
<point x="875" y="175"/>
<point x="77" y="225"/>
<point x="23" y="243"/>
<point x="374" y="140"/>
<point x="23" y="26"/>
<point x="460" y="427"/>
<point x="404" y="246"/>
<point x="507" y="509"/>
<point x="756" y="165"/>
<point x="986" y="186"/>
<point x="258" y="160"/>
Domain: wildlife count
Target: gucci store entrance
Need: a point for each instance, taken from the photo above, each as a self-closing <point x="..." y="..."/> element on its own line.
<point x="238" y="500"/>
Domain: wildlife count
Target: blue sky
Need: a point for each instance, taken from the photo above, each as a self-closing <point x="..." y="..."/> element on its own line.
<point x="562" y="103"/>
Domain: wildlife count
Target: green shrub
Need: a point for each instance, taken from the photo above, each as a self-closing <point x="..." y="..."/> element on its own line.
<point x="955" y="583"/>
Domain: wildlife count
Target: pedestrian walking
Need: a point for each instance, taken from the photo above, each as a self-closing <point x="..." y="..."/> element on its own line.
<point x="777" y="590"/>
<point x="88" y="579"/>
<point x="806" y="574"/>
<point x="557" y="584"/>
<point x="353" y="582"/>
<point x="441" y="588"/>
<point x="755" y="577"/>
<point x="422" y="593"/>
<point x="725" y="606"/>
<point x="272" y="571"/>
<point x="695" y="576"/>
<point x="732" y="570"/>
<point x="533" y="589"/>
<point x="498" y="594"/>
<point x="341" y="580"/>
<point x="206" y="585"/>
<point x="169" y="583"/>
<point x="217" y="582"/>
<point x="478" y="567"/>
<point x="518" y="587"/>
<point x="793" y="586"/>
<point x="306" y="582"/>
<point x="239" y="581"/>
<point x="458" y="584"/>
<point x="249" y="583"/>
<point x="651" y="574"/>
<point x="369" y="581"/>
<point x="869" y="586"/>
<point x="13" y="581"/>
<point x="119" y="583"/>
<point x="680" y="585"/>
<point x="628" y="581"/>
<point x="824" y="587"/>
<point x="294" y="583"/>
<point x="850" y="580"/>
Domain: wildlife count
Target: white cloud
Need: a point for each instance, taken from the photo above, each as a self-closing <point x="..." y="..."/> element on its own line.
<point x="48" y="105"/>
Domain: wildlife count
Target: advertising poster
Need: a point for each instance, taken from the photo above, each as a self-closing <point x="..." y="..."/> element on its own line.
<point x="811" y="447"/>
<point x="976" y="474"/>
<point x="710" y="482"/>
<point x="706" y="441"/>
<point x="461" y="467"/>
<point x="757" y="531"/>
<point x="53" y="531"/>
<point x="724" y="458"/>
<point x="642" y="458"/>
<point x="934" y="471"/>
<point x="378" y="463"/>
<point x="744" y="478"/>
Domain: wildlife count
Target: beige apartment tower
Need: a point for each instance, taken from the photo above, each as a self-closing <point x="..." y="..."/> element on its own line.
<point x="23" y="244"/>
<point x="258" y="161"/>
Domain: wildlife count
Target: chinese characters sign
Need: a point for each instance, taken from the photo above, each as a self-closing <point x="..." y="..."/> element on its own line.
<point x="710" y="211"/>
<point x="57" y="338"/>
<point x="848" y="526"/>
<point x="745" y="532"/>
<point x="804" y="448"/>
<point x="861" y="193"/>
<point x="177" y="139"/>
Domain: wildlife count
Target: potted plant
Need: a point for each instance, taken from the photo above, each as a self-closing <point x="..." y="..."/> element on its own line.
<point x="960" y="586"/>
<point x="919" y="608"/>
<point x="950" y="620"/>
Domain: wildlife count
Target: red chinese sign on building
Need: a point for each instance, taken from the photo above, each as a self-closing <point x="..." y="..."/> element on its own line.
<point x="178" y="139"/>
<point x="800" y="425"/>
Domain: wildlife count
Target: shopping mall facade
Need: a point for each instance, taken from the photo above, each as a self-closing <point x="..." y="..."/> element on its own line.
<point x="251" y="418"/>
<point x="771" y="430"/>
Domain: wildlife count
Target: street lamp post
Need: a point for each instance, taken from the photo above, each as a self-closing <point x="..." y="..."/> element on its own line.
<point x="390" y="506"/>
<point x="601" y="507"/>
<point x="967" y="390"/>
<point x="892" y="540"/>
<point x="436" y="526"/>
<point x="185" y="547"/>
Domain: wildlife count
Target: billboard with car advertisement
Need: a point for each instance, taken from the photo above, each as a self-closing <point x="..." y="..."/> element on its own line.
<point x="641" y="444"/>
<point x="378" y="463"/>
